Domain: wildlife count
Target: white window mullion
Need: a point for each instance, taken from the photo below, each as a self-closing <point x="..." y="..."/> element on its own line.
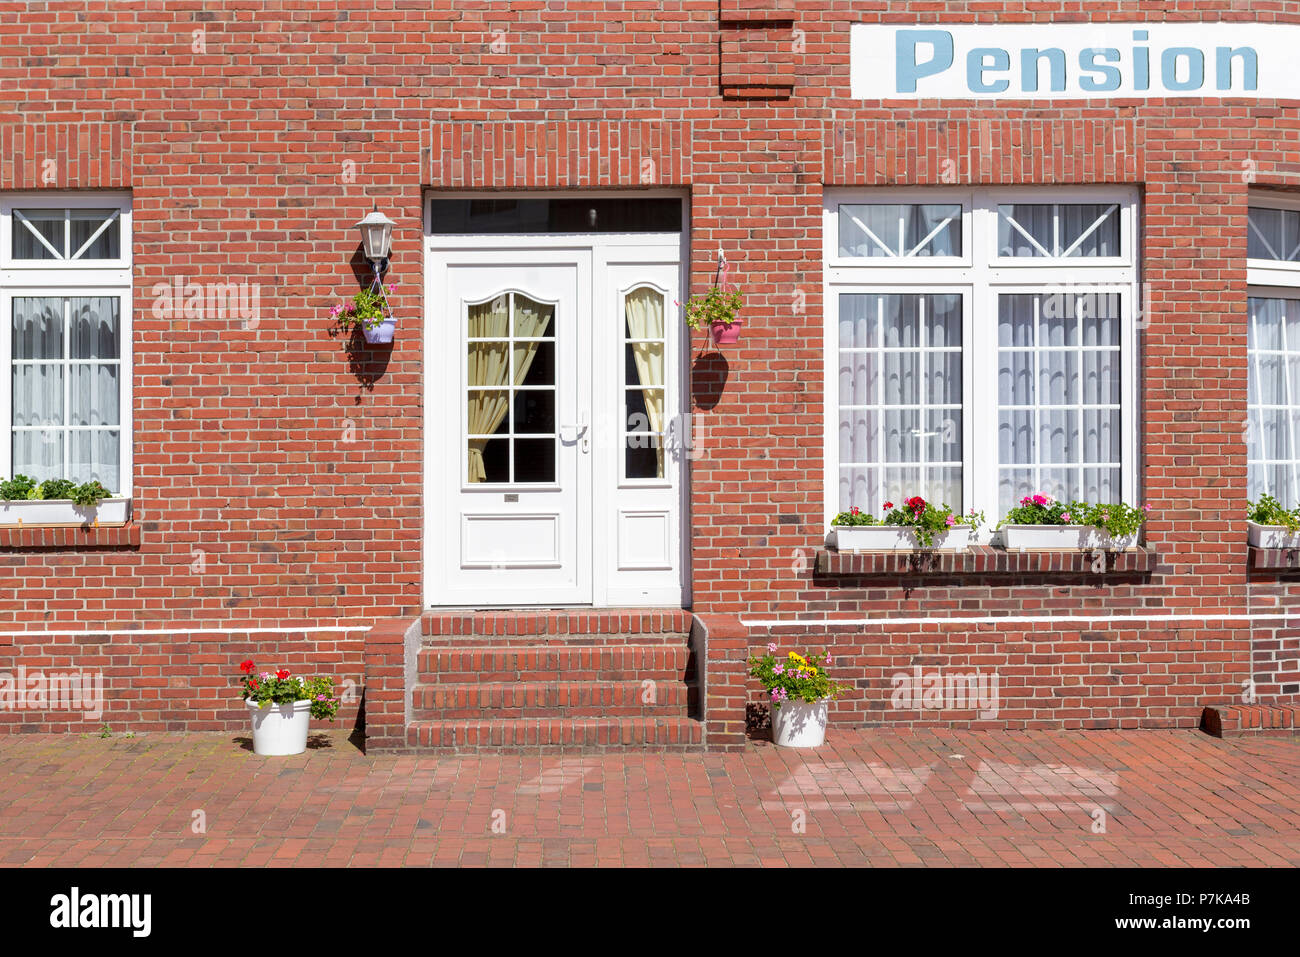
<point x="1284" y="370"/>
<point x="67" y="388"/>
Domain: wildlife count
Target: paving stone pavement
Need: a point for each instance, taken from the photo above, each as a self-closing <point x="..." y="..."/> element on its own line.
<point x="869" y="797"/>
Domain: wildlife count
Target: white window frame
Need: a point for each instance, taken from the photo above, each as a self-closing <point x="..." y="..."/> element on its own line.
<point x="1271" y="272"/>
<point x="65" y="278"/>
<point x="1270" y="278"/>
<point x="980" y="278"/>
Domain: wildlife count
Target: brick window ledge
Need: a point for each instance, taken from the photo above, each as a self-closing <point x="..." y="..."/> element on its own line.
<point x="984" y="560"/>
<point x="42" y="537"/>
<point x="1274" y="559"/>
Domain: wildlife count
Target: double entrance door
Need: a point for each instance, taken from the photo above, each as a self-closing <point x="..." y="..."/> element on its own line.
<point x="554" y="448"/>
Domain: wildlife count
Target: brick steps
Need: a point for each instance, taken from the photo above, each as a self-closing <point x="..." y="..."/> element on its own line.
<point x="1239" y="719"/>
<point x="554" y="680"/>
<point x="556" y="734"/>
<point x="543" y="625"/>
<point x="542" y="699"/>
<point x="561" y="662"/>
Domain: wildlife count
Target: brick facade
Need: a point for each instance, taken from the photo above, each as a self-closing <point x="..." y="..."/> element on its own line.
<point x="278" y="476"/>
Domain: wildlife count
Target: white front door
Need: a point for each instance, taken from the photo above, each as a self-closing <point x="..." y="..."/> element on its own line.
<point x="554" y="454"/>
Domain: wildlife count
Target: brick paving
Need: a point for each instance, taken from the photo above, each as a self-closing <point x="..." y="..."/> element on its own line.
<point x="871" y="797"/>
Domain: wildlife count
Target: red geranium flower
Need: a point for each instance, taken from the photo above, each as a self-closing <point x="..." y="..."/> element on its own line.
<point x="282" y="673"/>
<point x="252" y="683"/>
<point x="889" y="505"/>
<point x="246" y="667"/>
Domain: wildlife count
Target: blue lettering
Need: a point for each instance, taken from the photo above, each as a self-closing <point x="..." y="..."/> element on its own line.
<point x="1110" y="74"/>
<point x="1141" y="63"/>
<point x="1195" y="70"/>
<point x="1249" y="67"/>
<point x="1030" y="58"/>
<point x="908" y="70"/>
<point x="976" y="68"/>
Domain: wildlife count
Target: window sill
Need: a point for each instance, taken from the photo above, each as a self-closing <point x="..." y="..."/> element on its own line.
<point x="986" y="560"/>
<point x="38" y="537"/>
<point x="1274" y="559"/>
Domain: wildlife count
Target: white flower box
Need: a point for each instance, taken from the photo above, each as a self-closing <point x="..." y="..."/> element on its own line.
<point x="896" y="538"/>
<point x="1271" y="536"/>
<point x="1065" y="537"/>
<point x="64" y="512"/>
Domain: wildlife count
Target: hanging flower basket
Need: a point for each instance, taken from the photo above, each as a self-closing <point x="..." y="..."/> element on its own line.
<point x="718" y="311"/>
<point x="381" y="334"/>
<point x="725" y="335"/>
<point x="368" y="311"/>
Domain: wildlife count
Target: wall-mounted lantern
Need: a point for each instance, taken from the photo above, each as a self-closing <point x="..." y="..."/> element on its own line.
<point x="377" y="243"/>
<point x="377" y="239"/>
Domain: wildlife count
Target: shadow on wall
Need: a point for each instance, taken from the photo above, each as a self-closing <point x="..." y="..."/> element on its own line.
<point x="367" y="363"/>
<point x="709" y="373"/>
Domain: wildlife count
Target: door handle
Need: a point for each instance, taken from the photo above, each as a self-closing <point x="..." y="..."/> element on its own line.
<point x="572" y="433"/>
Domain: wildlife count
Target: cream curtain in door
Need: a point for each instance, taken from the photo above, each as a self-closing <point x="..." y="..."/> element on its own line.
<point x="489" y="366"/>
<point x="645" y="320"/>
<point x="532" y="319"/>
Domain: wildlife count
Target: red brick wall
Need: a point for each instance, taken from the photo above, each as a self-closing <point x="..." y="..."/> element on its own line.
<point x="278" y="479"/>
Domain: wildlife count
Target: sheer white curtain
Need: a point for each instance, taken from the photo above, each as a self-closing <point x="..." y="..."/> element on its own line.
<point x="644" y="309"/>
<point x="77" y="355"/>
<point x="1058" y="396"/>
<point x="1273" y="394"/>
<point x="900" y="399"/>
<point x="900" y="229"/>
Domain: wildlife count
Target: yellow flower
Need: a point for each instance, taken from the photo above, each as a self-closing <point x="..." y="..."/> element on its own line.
<point x="799" y="658"/>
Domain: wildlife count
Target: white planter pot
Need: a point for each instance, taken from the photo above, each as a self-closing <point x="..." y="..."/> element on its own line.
<point x="382" y="333"/>
<point x="1271" y="536"/>
<point x="896" y="538"/>
<point x="64" y="511"/>
<point x="799" y="724"/>
<point x="280" y="728"/>
<point x="1067" y="537"/>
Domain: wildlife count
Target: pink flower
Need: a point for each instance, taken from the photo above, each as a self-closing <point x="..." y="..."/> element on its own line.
<point x="771" y="646"/>
<point x="1040" y="499"/>
<point x="779" y="670"/>
<point x="1025" y="500"/>
<point x="828" y="659"/>
<point x="950" y="521"/>
<point x="1065" y="516"/>
<point x="1146" y="508"/>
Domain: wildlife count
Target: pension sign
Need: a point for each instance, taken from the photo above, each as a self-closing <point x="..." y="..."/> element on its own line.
<point x="1072" y="61"/>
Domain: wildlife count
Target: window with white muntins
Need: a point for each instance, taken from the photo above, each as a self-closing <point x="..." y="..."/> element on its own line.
<point x="981" y="346"/>
<point x="65" y="296"/>
<point x="1273" y="348"/>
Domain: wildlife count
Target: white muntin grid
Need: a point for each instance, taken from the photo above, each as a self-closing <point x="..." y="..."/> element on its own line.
<point x="1066" y="256"/>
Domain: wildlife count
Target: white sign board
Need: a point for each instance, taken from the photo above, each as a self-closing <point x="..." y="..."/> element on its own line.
<point x="1073" y="61"/>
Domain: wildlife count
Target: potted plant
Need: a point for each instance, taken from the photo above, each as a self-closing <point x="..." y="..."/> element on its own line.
<point x="1269" y="525"/>
<point x="24" y="501"/>
<point x="799" y="689"/>
<point x="1042" y="522"/>
<point x="718" y="310"/>
<point x="368" y="311"/>
<point x="281" y="706"/>
<point x="916" y="524"/>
